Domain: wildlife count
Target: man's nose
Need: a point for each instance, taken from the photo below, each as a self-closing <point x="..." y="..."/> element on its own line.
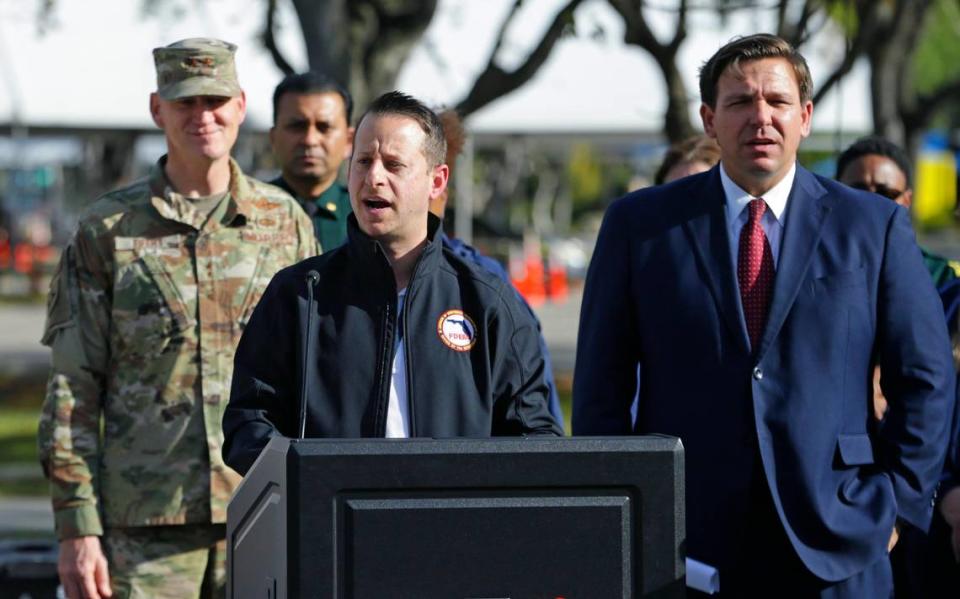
<point x="311" y="136"/>
<point x="203" y="114"/>
<point x="375" y="174"/>
<point x="761" y="114"/>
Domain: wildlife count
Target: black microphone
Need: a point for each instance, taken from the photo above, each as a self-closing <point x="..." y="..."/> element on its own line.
<point x="311" y="279"/>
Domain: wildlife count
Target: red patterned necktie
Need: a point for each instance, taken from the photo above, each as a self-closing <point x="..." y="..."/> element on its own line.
<point x="755" y="272"/>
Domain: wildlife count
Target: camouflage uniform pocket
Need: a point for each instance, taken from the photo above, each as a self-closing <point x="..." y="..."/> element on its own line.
<point x="148" y="310"/>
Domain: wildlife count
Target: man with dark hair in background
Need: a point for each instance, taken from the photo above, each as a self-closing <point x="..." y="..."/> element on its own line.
<point x="877" y="164"/>
<point x="311" y="136"/>
<point x="405" y="339"/>
<point x="754" y="309"/>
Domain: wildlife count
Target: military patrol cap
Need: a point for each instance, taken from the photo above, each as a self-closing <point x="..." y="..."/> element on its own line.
<point x="199" y="66"/>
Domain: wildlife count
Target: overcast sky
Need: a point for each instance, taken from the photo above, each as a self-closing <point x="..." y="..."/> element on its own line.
<point x="93" y="66"/>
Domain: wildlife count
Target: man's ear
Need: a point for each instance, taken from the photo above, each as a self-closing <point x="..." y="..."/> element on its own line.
<point x="438" y="180"/>
<point x="243" y="105"/>
<point x="906" y="198"/>
<point x="806" y="118"/>
<point x="348" y="149"/>
<point x="155" y="110"/>
<point x="706" y="116"/>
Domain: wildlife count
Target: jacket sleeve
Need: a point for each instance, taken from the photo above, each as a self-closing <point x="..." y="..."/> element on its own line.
<point x="263" y="392"/>
<point x="606" y="376"/>
<point x="77" y="331"/>
<point x="917" y="374"/>
<point x="521" y="394"/>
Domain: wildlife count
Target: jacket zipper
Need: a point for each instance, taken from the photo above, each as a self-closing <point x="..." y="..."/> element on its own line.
<point x="411" y="412"/>
<point x="384" y="370"/>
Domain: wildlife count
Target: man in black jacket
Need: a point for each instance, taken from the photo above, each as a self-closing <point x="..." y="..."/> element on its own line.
<point x="402" y="338"/>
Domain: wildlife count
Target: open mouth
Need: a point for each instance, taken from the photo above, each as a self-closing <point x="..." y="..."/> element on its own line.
<point x="376" y="204"/>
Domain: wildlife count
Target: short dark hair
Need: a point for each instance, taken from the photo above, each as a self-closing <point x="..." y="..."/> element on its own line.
<point x="752" y="47"/>
<point x="874" y="145"/>
<point x="698" y="148"/>
<point x="312" y="82"/>
<point x="400" y="104"/>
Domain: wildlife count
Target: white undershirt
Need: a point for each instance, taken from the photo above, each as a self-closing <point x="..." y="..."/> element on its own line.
<point x="398" y="407"/>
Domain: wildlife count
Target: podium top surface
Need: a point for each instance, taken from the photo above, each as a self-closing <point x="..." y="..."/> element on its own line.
<point x="461" y="446"/>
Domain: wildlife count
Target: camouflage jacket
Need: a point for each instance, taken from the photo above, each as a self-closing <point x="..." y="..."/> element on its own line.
<point x="143" y="318"/>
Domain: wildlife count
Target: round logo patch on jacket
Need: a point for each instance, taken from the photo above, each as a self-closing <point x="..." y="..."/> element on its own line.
<point x="457" y="330"/>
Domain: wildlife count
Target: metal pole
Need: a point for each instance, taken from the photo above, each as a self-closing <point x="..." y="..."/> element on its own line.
<point x="463" y="185"/>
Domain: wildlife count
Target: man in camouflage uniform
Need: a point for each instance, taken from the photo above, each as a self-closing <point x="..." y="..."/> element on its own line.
<point x="144" y="314"/>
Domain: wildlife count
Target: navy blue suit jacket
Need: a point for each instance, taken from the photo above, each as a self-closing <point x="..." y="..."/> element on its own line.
<point x="850" y="285"/>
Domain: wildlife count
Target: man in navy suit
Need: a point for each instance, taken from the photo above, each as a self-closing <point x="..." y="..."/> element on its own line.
<point x="745" y="306"/>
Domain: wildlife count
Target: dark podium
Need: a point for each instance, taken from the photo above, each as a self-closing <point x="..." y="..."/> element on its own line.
<point x="571" y="518"/>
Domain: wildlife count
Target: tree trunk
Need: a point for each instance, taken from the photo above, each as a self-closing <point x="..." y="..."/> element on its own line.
<point x="323" y="23"/>
<point x="676" y="120"/>
<point x="362" y="43"/>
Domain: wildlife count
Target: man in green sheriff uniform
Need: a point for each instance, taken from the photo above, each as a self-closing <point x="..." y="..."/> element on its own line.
<point x="144" y="315"/>
<point x="311" y="137"/>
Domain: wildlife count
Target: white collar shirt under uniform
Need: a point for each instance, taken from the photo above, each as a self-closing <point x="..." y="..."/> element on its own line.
<point x="773" y="219"/>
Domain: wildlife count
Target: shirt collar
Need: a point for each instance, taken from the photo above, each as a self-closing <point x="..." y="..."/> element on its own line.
<point x="776" y="197"/>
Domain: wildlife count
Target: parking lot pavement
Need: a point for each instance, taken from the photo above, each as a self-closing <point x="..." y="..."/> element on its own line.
<point x="21" y="327"/>
<point x="559" y="321"/>
<point x="25" y="514"/>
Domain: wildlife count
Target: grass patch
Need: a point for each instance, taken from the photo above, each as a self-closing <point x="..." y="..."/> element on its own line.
<point x="26" y="299"/>
<point x="20" y="399"/>
<point x="22" y="390"/>
<point x="18" y="453"/>
<point x="33" y="486"/>
<point x="18" y="435"/>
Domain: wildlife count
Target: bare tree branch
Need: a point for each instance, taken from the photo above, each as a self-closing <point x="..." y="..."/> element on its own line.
<point x="270" y="42"/>
<point x="494" y="82"/>
<point x="929" y="104"/>
<point x="677" y="125"/>
<point x="782" y="18"/>
<point x="502" y="34"/>
<point x="681" y="33"/>
<point x="865" y="37"/>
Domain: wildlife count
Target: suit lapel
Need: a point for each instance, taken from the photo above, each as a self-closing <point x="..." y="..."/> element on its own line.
<point x="807" y="209"/>
<point x="710" y="240"/>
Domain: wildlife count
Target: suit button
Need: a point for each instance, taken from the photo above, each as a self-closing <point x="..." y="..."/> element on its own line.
<point x="757" y="374"/>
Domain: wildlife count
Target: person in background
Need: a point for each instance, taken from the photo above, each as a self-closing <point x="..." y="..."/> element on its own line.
<point x="144" y="313"/>
<point x="311" y="137"/>
<point x="877" y="164"/>
<point x="693" y="155"/>
<point x="455" y="136"/>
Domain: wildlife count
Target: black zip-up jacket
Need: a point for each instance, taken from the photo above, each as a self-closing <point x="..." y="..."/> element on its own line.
<point x="473" y="363"/>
